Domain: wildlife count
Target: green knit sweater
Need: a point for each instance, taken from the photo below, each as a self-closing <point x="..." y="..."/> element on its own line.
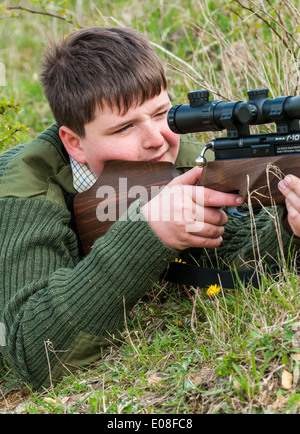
<point x="55" y="308"/>
<point x="47" y="294"/>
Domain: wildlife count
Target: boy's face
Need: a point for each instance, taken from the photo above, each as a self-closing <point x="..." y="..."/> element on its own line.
<point x="142" y="134"/>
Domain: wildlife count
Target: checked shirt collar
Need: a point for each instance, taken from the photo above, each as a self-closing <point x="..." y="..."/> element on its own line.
<point x="83" y="177"/>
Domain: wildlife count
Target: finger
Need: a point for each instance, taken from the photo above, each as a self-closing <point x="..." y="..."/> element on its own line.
<point x="291" y="197"/>
<point x="191" y="177"/>
<point x="212" y="198"/>
<point x="214" y="216"/>
<point x="290" y="187"/>
<point x="294" y="201"/>
<point x="292" y="211"/>
<point x="203" y="242"/>
<point x="204" y="230"/>
<point x="293" y="218"/>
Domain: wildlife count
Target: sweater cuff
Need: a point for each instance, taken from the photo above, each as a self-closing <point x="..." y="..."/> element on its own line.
<point x="145" y="250"/>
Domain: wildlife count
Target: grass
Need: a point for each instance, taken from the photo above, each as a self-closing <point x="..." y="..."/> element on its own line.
<point x="223" y="354"/>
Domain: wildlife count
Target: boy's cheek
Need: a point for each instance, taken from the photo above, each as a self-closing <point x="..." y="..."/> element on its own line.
<point x="175" y="147"/>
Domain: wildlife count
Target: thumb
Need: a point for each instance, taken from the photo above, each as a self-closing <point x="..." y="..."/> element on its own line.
<point x="189" y="178"/>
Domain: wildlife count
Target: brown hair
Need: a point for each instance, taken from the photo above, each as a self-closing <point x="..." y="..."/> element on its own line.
<point x="116" y="66"/>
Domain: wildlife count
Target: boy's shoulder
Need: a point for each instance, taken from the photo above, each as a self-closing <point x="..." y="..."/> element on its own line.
<point x="38" y="169"/>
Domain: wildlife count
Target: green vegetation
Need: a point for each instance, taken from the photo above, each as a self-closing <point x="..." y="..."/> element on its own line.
<point x="231" y="353"/>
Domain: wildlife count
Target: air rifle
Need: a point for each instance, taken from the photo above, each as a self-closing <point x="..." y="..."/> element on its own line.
<point x="242" y="160"/>
<point x="251" y="164"/>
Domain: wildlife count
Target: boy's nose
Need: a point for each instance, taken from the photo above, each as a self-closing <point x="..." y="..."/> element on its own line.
<point x="152" y="137"/>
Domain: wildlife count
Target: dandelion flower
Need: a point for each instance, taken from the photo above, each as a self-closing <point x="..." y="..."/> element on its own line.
<point x="179" y="260"/>
<point x="213" y="290"/>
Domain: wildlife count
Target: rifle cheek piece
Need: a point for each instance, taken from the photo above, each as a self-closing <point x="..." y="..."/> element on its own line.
<point x="201" y="160"/>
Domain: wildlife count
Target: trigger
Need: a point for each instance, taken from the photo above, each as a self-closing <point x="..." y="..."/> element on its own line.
<point x="235" y="212"/>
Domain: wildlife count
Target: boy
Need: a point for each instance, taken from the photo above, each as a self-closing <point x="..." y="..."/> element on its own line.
<point x="107" y="91"/>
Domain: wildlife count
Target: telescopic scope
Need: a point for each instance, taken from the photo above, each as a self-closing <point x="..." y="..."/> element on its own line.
<point x="203" y="115"/>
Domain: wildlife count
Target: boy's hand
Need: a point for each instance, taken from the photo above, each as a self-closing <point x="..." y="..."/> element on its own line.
<point x="184" y="215"/>
<point x="290" y="188"/>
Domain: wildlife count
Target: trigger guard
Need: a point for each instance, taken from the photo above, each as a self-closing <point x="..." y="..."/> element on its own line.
<point x="235" y="212"/>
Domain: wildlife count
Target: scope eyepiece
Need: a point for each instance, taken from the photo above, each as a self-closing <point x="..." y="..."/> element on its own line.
<point x="171" y="119"/>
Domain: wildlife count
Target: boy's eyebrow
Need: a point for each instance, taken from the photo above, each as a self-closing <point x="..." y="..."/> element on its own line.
<point x="119" y="126"/>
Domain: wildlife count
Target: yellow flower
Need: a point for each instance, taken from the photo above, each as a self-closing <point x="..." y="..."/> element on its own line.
<point x="213" y="290"/>
<point x="178" y="323"/>
<point x="179" y="260"/>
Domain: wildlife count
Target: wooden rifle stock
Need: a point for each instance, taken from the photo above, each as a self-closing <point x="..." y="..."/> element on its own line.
<point x="119" y="177"/>
<point x="117" y="187"/>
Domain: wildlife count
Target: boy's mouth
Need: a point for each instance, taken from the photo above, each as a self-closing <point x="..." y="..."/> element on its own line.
<point x="159" y="158"/>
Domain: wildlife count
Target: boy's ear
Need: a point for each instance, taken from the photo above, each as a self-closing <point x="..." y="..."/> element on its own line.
<point x="72" y="143"/>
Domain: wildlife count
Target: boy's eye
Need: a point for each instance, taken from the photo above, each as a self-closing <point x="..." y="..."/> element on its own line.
<point x="162" y="114"/>
<point x="121" y="130"/>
